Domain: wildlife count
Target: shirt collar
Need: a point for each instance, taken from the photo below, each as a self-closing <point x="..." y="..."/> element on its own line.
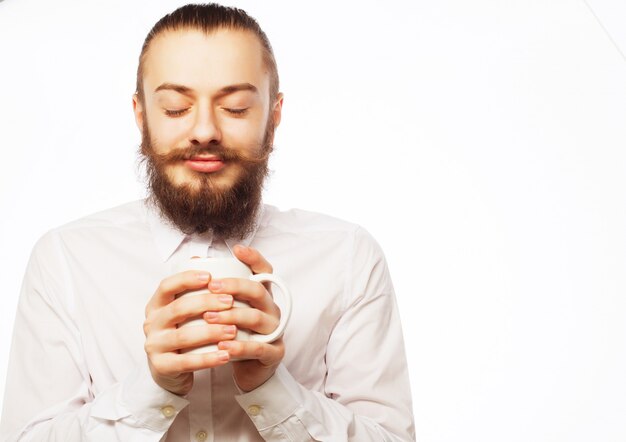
<point x="168" y="238"/>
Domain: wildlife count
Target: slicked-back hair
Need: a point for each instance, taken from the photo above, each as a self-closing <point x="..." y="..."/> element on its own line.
<point x="209" y="17"/>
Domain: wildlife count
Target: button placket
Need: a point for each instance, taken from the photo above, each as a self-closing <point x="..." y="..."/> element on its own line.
<point x="200" y="408"/>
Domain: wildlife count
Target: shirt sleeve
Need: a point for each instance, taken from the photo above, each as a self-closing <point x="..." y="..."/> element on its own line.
<point x="48" y="390"/>
<point x="367" y="394"/>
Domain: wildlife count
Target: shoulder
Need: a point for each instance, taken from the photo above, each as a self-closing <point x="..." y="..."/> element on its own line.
<point x="134" y="212"/>
<point x="305" y="223"/>
<point x="126" y="219"/>
<point x="300" y="221"/>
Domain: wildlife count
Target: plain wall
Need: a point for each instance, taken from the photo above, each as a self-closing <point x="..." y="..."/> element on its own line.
<point x="482" y="143"/>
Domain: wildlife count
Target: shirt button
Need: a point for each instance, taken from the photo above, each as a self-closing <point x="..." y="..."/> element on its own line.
<point x="168" y="411"/>
<point x="201" y="436"/>
<point x="254" y="410"/>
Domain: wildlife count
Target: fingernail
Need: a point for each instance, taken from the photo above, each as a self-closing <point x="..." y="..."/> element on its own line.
<point x="215" y="285"/>
<point x="225" y="345"/>
<point x="204" y="277"/>
<point x="225" y="299"/>
<point x="222" y="355"/>
<point x="229" y="329"/>
<point x="211" y="316"/>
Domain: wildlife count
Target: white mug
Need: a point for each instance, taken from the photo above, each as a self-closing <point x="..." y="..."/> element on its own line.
<point x="233" y="268"/>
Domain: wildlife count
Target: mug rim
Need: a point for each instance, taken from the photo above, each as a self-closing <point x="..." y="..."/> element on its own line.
<point x="187" y="264"/>
<point x="216" y="258"/>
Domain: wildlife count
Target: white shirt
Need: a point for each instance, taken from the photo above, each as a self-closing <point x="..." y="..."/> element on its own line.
<point x="78" y="370"/>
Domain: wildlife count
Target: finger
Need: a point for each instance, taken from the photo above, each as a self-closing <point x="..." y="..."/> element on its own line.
<point x="175" y="284"/>
<point x="253" y="259"/>
<point x="266" y="354"/>
<point x="190" y="306"/>
<point x="173" y="364"/>
<point x="188" y="337"/>
<point x="245" y="317"/>
<point x="252" y="292"/>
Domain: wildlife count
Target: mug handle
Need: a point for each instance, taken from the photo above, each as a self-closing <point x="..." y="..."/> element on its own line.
<point x="284" y="305"/>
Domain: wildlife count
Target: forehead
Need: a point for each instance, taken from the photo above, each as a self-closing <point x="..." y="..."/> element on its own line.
<point x="205" y="62"/>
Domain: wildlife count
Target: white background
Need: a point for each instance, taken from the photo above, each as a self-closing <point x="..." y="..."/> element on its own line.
<point x="481" y="142"/>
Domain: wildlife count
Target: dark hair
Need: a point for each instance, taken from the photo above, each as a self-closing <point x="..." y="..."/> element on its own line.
<point x="209" y="17"/>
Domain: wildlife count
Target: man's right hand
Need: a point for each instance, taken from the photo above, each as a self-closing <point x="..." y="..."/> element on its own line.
<point x="170" y="369"/>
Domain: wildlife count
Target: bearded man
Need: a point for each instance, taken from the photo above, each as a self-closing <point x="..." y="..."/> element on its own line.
<point x="98" y="354"/>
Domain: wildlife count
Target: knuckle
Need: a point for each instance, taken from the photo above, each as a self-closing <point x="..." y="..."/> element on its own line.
<point x="236" y="348"/>
<point x="259" y="291"/>
<point x="159" y="366"/>
<point x="182" y="366"/>
<point x="207" y="358"/>
<point x="146" y="327"/>
<point x="256" y="317"/>
<point x="258" y="351"/>
<point x="176" y="310"/>
<point x="162" y="287"/>
<point x="148" y="323"/>
<point x="223" y="317"/>
<point x="231" y="285"/>
<point x="148" y="347"/>
<point x="275" y="323"/>
<point x="276" y="313"/>
<point x="172" y="367"/>
<point x="280" y="348"/>
<point x="182" y="339"/>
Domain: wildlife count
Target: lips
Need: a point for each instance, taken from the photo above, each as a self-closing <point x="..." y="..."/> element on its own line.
<point x="205" y="164"/>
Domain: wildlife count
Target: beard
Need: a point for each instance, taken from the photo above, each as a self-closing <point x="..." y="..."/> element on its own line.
<point x="230" y="211"/>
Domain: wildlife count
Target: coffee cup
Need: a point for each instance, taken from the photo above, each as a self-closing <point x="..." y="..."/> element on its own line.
<point x="220" y="268"/>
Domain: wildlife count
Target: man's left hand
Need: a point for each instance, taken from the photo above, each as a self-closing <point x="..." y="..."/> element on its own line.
<point x="260" y="360"/>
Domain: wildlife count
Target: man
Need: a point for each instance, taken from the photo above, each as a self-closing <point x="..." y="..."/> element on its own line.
<point x="97" y="354"/>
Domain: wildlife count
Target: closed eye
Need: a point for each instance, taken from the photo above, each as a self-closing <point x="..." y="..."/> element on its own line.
<point x="236" y="111"/>
<point x="175" y="113"/>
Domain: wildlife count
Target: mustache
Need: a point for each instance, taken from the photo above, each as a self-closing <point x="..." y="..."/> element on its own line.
<point x="223" y="153"/>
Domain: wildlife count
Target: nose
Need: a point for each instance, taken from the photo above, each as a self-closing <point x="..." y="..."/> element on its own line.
<point x="205" y="128"/>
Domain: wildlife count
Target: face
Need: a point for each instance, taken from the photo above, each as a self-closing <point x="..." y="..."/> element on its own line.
<point x="207" y="126"/>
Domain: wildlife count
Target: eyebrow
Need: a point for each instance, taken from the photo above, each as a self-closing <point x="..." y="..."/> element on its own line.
<point x="226" y="90"/>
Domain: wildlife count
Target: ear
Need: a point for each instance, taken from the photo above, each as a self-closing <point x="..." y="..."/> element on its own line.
<point x="139" y="112"/>
<point x="277" y="109"/>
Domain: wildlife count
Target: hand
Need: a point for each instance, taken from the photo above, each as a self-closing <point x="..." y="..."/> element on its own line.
<point x="171" y="370"/>
<point x="263" y="317"/>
